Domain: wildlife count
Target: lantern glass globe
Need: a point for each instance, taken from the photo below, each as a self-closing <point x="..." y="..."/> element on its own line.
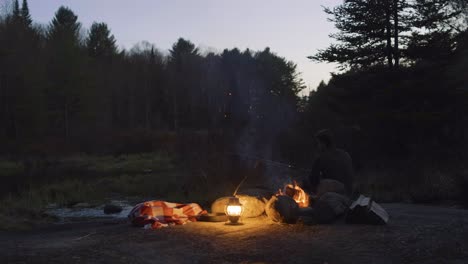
<point x="233" y="210"/>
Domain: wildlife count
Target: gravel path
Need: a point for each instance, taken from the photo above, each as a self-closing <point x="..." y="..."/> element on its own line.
<point x="415" y="234"/>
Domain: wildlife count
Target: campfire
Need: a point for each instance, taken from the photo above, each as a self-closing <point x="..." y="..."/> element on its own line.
<point x="296" y="192"/>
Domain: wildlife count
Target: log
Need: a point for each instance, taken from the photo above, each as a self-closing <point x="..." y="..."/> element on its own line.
<point x="282" y="209"/>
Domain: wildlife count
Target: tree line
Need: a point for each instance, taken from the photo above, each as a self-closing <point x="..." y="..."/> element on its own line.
<point x="59" y="84"/>
<point x="400" y="92"/>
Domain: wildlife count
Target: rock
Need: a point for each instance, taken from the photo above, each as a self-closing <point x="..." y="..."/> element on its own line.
<point x="252" y="206"/>
<point x="329" y="185"/>
<point x="112" y="209"/>
<point x="330" y="206"/>
<point x="282" y="209"/>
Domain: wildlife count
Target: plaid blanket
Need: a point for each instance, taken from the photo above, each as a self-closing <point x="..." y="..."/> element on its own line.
<point x="157" y="214"/>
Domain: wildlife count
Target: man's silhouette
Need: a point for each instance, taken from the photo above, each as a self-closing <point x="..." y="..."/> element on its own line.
<point x="332" y="163"/>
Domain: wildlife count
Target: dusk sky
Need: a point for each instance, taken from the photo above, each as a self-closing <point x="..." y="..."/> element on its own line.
<point x="293" y="29"/>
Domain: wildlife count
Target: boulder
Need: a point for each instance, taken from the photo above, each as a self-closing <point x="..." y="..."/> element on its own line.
<point x="282" y="209"/>
<point x="112" y="209"/>
<point x="252" y="206"/>
<point x="329" y="185"/>
<point x="330" y="206"/>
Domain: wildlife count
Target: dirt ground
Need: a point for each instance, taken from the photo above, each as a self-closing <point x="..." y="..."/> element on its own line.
<point x="415" y="234"/>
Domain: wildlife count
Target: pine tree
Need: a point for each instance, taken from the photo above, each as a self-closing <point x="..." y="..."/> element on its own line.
<point x="436" y="26"/>
<point x="180" y="51"/>
<point x="67" y="90"/>
<point x="182" y="59"/>
<point x="64" y="26"/>
<point x="100" y="42"/>
<point x="22" y="47"/>
<point x="373" y="32"/>
<point x="26" y="17"/>
<point x="16" y="10"/>
<point x="368" y="34"/>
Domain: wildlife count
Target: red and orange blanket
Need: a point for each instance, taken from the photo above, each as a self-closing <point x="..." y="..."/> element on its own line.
<point x="157" y="214"/>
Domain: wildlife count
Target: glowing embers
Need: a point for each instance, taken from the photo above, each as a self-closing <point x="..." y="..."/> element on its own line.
<point x="297" y="193"/>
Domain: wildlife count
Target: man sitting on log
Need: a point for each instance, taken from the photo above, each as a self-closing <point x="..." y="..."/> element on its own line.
<point x="333" y="163"/>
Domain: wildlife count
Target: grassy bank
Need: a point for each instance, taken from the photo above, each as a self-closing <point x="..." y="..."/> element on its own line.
<point x="94" y="180"/>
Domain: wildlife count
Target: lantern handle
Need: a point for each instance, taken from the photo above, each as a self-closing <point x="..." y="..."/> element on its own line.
<point x="245" y="178"/>
<point x="235" y="192"/>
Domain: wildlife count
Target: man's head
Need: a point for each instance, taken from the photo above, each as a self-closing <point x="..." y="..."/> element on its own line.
<point x="324" y="139"/>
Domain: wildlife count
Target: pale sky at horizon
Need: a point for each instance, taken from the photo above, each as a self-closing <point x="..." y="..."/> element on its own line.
<point x="293" y="29"/>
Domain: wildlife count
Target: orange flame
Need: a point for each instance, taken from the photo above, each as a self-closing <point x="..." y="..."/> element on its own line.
<point x="297" y="193"/>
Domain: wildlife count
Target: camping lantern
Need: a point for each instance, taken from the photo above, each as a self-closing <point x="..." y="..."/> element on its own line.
<point x="233" y="210"/>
